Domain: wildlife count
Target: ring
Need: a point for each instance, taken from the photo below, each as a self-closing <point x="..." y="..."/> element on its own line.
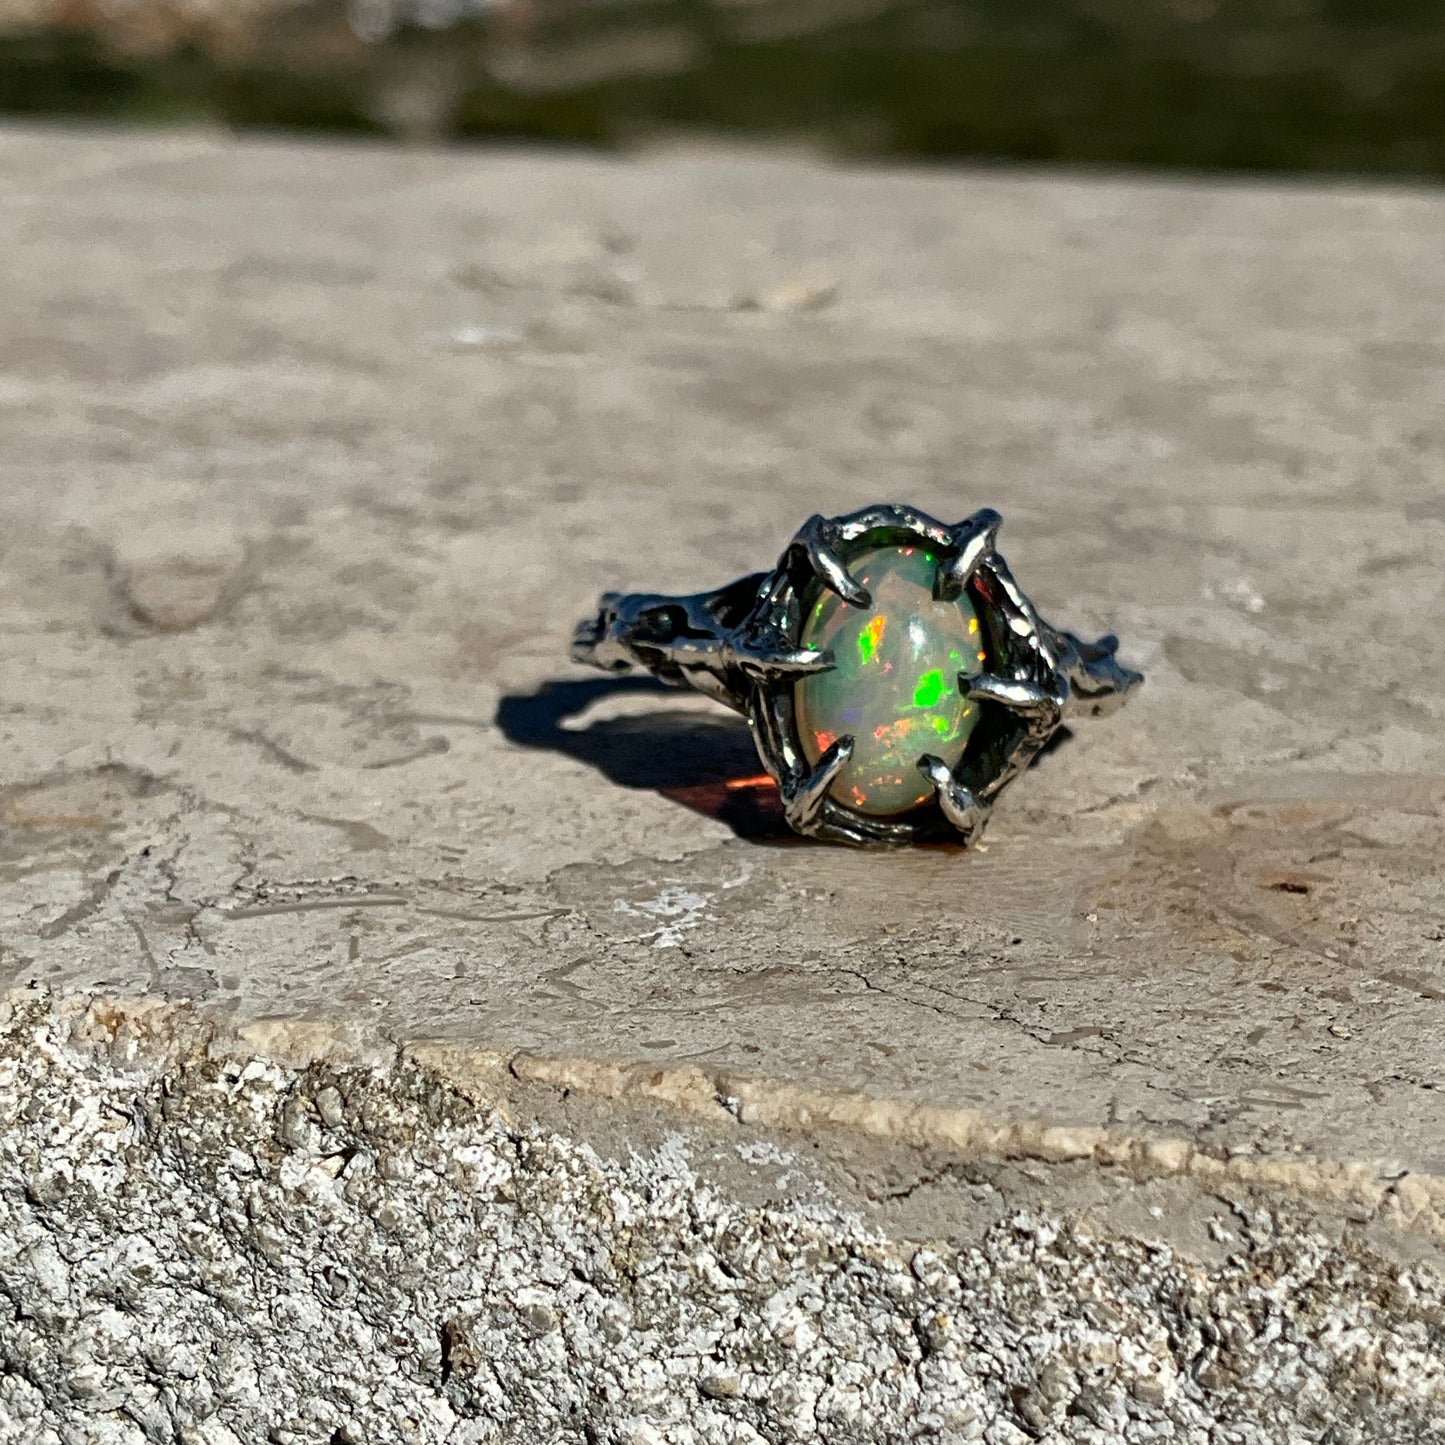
<point x="895" y="676"/>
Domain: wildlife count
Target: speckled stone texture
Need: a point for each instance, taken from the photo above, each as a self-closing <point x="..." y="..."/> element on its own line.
<point x="209" y="1248"/>
<point x="340" y="907"/>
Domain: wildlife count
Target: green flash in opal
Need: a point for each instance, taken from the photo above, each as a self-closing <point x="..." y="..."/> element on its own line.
<point x="894" y="686"/>
<point x="868" y="639"/>
<point x="930" y="688"/>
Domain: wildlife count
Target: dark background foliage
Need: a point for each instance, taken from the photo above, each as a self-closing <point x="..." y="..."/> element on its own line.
<point x="1310" y="85"/>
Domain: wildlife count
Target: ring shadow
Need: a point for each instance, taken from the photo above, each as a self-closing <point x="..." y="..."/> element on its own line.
<point x="706" y="762"/>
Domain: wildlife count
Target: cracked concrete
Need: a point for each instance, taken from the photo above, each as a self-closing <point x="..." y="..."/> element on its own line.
<point x="299" y="514"/>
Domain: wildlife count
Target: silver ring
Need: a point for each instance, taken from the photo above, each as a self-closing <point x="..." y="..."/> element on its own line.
<point x="895" y="676"/>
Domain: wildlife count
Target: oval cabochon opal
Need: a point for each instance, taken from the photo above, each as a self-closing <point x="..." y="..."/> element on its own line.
<point x="894" y="688"/>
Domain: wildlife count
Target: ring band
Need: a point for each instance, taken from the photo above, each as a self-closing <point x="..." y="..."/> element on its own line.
<point x="895" y="676"/>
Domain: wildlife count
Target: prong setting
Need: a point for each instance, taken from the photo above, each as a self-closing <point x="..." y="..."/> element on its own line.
<point x="975" y="538"/>
<point x="763" y="662"/>
<point x="958" y="803"/>
<point x="742" y="645"/>
<point x="805" y="793"/>
<point x="816" y="546"/>
<point x="1041" y="708"/>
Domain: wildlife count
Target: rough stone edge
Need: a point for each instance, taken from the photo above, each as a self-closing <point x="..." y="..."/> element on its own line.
<point x="148" y="1032"/>
<point x="404" y="1263"/>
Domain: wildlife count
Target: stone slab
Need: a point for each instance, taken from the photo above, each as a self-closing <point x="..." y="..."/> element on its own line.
<point x="313" y="454"/>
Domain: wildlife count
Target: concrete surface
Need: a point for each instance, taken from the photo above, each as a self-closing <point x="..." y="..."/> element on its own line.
<point x="311" y="458"/>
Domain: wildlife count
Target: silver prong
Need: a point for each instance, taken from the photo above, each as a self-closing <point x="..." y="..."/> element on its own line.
<point x="784" y="660"/>
<point x="959" y="805"/>
<point x="890" y="516"/>
<point x="1027" y="698"/>
<point x="976" y="538"/>
<point x="803" y="801"/>
<point x="814" y="544"/>
<point x="1018" y="612"/>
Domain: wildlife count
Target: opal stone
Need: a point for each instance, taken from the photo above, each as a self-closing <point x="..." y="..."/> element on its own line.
<point x="894" y="688"/>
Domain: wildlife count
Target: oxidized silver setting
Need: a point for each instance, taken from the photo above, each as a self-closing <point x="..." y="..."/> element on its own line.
<point x="739" y="645"/>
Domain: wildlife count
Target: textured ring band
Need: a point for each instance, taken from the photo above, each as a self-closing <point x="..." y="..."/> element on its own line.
<point x="895" y="676"/>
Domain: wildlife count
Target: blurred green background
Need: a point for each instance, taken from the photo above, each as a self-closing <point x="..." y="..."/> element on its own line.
<point x="1277" y="85"/>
